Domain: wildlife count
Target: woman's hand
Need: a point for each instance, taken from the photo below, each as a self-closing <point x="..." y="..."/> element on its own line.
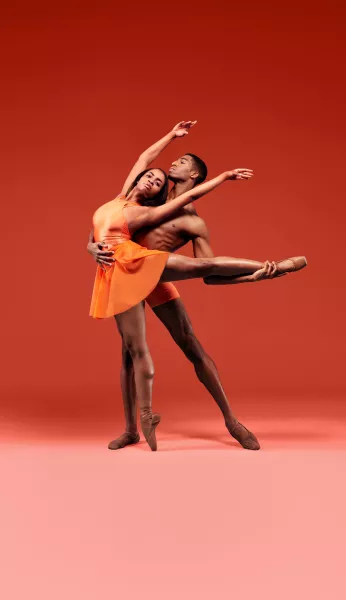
<point x="100" y="254"/>
<point x="183" y="128"/>
<point x="240" y="174"/>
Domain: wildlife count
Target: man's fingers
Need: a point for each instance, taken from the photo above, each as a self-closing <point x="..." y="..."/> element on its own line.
<point x="243" y="174"/>
<point x="260" y="273"/>
<point x="105" y="253"/>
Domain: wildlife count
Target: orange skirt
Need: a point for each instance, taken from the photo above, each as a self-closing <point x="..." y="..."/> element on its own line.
<point x="134" y="274"/>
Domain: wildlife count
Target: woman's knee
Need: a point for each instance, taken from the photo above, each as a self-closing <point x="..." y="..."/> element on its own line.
<point x="126" y="357"/>
<point x="134" y="346"/>
<point x="137" y="350"/>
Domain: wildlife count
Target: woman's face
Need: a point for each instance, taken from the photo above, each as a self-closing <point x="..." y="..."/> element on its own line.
<point x="151" y="183"/>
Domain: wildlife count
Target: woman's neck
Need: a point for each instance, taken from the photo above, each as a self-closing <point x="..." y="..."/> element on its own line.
<point x="135" y="196"/>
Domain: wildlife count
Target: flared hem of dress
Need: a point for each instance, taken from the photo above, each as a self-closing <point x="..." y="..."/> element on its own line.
<point x="128" y="282"/>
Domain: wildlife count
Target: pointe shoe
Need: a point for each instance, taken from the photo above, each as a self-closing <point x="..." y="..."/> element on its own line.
<point x="245" y="437"/>
<point x="289" y="265"/>
<point x="126" y="439"/>
<point x="149" y="425"/>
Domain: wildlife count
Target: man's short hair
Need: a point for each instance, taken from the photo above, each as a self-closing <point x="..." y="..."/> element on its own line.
<point x="200" y="166"/>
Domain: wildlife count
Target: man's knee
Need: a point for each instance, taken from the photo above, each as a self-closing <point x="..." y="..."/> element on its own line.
<point x="191" y="347"/>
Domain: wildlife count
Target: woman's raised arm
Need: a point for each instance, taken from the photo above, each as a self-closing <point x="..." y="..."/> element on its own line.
<point x="155" y="215"/>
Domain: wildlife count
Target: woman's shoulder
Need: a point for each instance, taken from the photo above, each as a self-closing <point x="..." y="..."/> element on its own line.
<point x="110" y="205"/>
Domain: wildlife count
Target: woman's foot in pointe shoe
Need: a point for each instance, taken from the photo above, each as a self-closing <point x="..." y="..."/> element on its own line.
<point x="126" y="439"/>
<point x="289" y="265"/>
<point x="245" y="438"/>
<point x="149" y="424"/>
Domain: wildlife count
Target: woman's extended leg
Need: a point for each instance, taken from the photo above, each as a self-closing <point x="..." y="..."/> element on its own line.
<point x="131" y="325"/>
<point x="182" y="267"/>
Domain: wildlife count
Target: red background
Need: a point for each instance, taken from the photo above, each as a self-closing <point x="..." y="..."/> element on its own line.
<point x="87" y="88"/>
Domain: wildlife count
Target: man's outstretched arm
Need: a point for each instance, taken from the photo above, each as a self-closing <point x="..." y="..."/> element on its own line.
<point x="151" y="153"/>
<point x="202" y="249"/>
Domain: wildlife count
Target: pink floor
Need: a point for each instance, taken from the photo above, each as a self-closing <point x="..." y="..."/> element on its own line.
<point x="199" y="519"/>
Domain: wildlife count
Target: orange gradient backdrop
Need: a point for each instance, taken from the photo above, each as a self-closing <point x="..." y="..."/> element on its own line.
<point x="88" y="88"/>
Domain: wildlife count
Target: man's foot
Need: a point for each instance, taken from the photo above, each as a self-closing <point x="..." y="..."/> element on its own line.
<point x="245" y="438"/>
<point x="126" y="439"/>
<point x="288" y="265"/>
<point x="149" y="425"/>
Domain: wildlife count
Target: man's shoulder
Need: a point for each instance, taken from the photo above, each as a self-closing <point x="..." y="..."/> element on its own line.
<point x="194" y="224"/>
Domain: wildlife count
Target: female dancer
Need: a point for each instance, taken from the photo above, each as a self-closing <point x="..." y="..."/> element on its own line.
<point x="120" y="289"/>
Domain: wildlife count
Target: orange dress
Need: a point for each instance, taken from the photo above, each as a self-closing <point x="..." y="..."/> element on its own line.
<point x="135" y="271"/>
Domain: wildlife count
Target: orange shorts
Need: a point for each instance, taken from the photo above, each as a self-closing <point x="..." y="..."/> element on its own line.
<point x="164" y="292"/>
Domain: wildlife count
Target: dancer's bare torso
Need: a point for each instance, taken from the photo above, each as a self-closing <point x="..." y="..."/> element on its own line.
<point x="173" y="234"/>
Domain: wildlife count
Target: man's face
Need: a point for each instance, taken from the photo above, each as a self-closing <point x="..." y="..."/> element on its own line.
<point x="182" y="169"/>
<point x="151" y="183"/>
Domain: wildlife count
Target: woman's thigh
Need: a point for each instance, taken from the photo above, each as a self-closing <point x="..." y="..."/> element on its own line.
<point x="132" y="328"/>
<point x="182" y="267"/>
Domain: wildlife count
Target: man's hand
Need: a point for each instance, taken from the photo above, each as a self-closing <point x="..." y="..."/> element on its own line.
<point x="267" y="272"/>
<point x="240" y="174"/>
<point x="99" y="252"/>
<point x="183" y="127"/>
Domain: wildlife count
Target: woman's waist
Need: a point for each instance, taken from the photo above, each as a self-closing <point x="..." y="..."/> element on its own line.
<point x="111" y="240"/>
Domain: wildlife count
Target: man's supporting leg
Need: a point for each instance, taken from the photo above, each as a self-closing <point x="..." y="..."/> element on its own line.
<point x="175" y="318"/>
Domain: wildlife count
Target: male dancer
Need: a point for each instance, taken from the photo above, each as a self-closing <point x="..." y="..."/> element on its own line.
<point x="186" y="172"/>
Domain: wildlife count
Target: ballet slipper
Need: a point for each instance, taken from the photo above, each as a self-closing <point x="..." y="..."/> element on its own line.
<point x="149" y="424"/>
<point x="126" y="439"/>
<point x="289" y="265"/>
<point x="245" y="438"/>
